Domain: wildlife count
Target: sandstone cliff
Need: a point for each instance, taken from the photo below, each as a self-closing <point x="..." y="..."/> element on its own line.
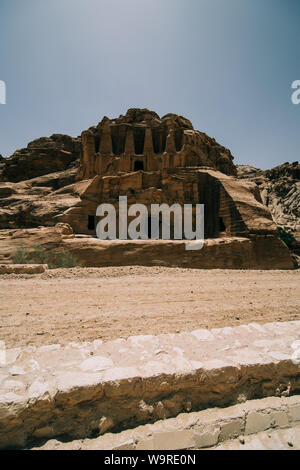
<point x="150" y="160"/>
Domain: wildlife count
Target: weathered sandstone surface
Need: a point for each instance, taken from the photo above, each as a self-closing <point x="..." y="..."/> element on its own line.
<point x="271" y="423"/>
<point x="41" y="157"/>
<point x="150" y="160"/>
<point x="140" y="140"/>
<point x="85" y="390"/>
<point x="23" y="268"/>
<point x="48" y="238"/>
<point x="258" y="252"/>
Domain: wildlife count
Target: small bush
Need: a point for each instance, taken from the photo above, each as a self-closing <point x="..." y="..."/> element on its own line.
<point x="64" y="259"/>
<point x="58" y="259"/>
<point x="286" y="237"/>
<point x="21" y="256"/>
<point x="41" y="256"/>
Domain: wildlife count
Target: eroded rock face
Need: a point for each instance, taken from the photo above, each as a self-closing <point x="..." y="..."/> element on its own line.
<point x="231" y="207"/>
<point x="38" y="184"/>
<point x="47" y="238"/>
<point x="280" y="192"/>
<point x="39" y="201"/>
<point x="41" y="157"/>
<point x="248" y="425"/>
<point x="141" y="140"/>
<point x="85" y="390"/>
<point x="260" y="252"/>
<point x="256" y="252"/>
<point x="23" y="268"/>
<point x="151" y="160"/>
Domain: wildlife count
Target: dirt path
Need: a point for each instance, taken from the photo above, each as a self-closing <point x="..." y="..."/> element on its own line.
<point x="86" y="304"/>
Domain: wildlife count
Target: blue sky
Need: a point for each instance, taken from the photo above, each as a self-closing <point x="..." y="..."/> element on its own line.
<point x="227" y="65"/>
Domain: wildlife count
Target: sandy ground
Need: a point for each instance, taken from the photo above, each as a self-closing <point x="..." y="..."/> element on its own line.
<point x="86" y="304"/>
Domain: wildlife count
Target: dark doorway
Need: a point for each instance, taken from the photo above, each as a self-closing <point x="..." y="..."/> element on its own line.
<point x="222" y="227"/>
<point x="139" y="139"/>
<point x="138" y="165"/>
<point x="91" y="222"/>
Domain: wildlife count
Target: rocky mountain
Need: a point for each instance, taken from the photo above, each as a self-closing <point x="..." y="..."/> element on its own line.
<point x="33" y="179"/>
<point x="41" y="157"/>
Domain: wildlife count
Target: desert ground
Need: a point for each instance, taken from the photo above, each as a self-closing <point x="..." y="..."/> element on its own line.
<point x="84" y="304"/>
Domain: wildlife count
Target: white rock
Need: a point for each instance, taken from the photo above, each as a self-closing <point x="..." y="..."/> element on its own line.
<point x="14" y="385"/>
<point x="16" y="370"/>
<point x="97" y="343"/>
<point x="203" y="335"/>
<point x="52" y="347"/>
<point x="38" y="389"/>
<point x="96" y="363"/>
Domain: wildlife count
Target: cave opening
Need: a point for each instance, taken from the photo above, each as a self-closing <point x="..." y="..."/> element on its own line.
<point x="138" y="165"/>
<point x="222" y="227"/>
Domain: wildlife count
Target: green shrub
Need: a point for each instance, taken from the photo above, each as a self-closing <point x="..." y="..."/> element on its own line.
<point x="21" y="256"/>
<point x="55" y="259"/>
<point x="286" y="237"/>
<point x="64" y="259"/>
<point x="41" y="256"/>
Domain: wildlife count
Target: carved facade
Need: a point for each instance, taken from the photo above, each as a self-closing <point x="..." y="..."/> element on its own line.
<point x="142" y="141"/>
<point x="154" y="161"/>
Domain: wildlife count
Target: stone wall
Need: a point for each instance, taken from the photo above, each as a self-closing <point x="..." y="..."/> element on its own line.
<point x="271" y="423"/>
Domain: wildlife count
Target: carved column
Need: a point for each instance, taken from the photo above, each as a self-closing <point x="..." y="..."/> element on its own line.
<point x="106" y="142"/>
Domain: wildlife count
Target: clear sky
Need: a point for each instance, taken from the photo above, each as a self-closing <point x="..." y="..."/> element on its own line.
<point x="227" y="65"/>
